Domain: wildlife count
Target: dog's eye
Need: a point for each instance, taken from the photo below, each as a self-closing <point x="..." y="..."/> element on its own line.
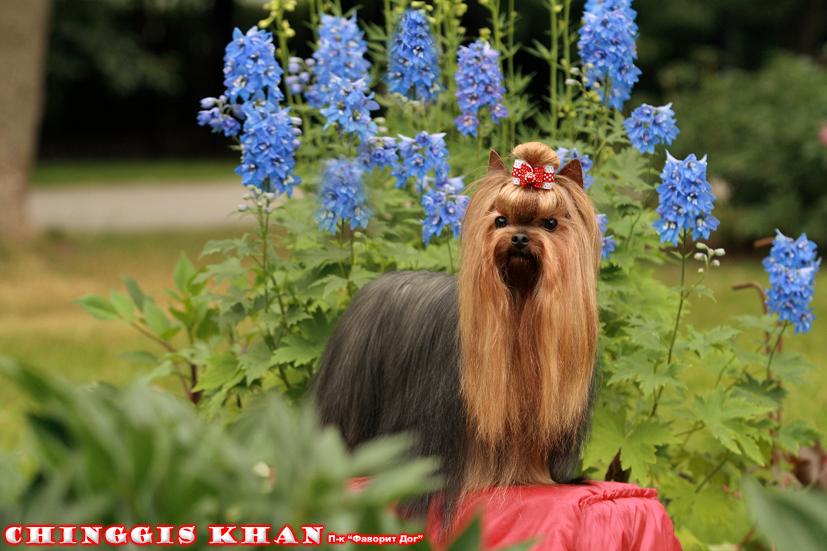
<point x="549" y="224"/>
<point x="500" y="222"/>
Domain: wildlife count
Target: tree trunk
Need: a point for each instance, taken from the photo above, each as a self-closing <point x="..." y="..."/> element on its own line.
<point x="24" y="28"/>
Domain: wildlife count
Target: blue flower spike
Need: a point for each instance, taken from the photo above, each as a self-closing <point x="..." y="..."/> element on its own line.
<point x="414" y="58"/>
<point x="607" y="49"/>
<point x="792" y="266"/>
<point x="685" y="200"/>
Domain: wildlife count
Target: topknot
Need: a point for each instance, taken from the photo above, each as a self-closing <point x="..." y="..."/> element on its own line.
<point x="537" y="154"/>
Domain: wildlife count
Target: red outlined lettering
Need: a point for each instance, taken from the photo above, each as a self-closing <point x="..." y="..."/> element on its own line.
<point x="141" y="535"/>
<point x="286" y="537"/>
<point x="312" y="535"/>
<point x="255" y="535"/>
<point x="91" y="535"/>
<point x="40" y="535"/>
<point x="221" y="535"/>
<point x="165" y="535"/>
<point x="10" y="536"/>
<point x="186" y="535"/>
<point x="67" y="535"/>
<point x="115" y="535"/>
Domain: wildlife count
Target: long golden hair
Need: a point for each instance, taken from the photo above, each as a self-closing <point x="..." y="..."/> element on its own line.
<point x="528" y="326"/>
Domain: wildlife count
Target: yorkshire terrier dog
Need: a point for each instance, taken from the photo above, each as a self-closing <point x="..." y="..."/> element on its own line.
<point x="494" y="370"/>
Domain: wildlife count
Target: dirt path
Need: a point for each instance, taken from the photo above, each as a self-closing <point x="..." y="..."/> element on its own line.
<point x="125" y="207"/>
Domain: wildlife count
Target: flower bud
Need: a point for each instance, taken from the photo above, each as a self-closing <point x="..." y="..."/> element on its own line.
<point x="242" y="208"/>
<point x="719" y="252"/>
<point x="701" y="246"/>
<point x="716" y="262"/>
<point x="700" y="256"/>
<point x="209" y="103"/>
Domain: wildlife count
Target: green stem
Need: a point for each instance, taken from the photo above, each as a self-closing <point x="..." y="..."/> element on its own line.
<point x="450" y="255"/>
<point x="677" y="321"/>
<point x="711" y="474"/>
<point x="553" y="64"/>
<point x="774" y="348"/>
<point x="264" y="223"/>
<point x="643" y="206"/>
<point x="283" y="51"/>
<point x="511" y="124"/>
<point x="567" y="46"/>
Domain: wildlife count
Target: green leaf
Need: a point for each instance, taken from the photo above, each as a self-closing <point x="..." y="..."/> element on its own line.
<point x="650" y="380"/>
<point x="726" y="417"/>
<point x="135" y="292"/>
<point x="793" y="521"/>
<point x="221" y="368"/>
<point x="791" y="366"/>
<point x="796" y="434"/>
<point x="122" y="304"/>
<point x="155" y="318"/>
<point x="255" y="361"/>
<point x="767" y="322"/>
<point x="230" y="269"/>
<point x="99" y="307"/>
<point x="637" y="445"/>
<point x="183" y="273"/>
<point x="296" y="350"/>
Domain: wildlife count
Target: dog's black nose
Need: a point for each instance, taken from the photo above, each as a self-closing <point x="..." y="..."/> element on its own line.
<point x="520" y="240"/>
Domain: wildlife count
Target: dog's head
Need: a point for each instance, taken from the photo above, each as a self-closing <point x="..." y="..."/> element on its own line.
<point x="528" y="236"/>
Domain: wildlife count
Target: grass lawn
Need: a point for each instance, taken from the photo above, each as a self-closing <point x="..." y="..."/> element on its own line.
<point x="156" y="171"/>
<point x="40" y="326"/>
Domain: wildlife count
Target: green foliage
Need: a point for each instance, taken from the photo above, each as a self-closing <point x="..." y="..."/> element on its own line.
<point x="260" y="317"/>
<point x="791" y="520"/>
<point x="777" y="175"/>
<point x="137" y="457"/>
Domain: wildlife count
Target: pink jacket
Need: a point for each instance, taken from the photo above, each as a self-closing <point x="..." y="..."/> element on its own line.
<point x="597" y="516"/>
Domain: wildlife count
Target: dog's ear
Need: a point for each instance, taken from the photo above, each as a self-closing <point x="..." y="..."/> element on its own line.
<point x="574" y="171"/>
<point x="495" y="163"/>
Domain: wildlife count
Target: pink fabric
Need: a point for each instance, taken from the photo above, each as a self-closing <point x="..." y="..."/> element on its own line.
<point x="597" y="516"/>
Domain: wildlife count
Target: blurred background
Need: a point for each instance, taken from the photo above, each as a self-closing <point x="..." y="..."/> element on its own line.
<point x="104" y="171"/>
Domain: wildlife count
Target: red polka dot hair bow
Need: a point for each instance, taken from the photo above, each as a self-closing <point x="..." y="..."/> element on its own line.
<point x="523" y="174"/>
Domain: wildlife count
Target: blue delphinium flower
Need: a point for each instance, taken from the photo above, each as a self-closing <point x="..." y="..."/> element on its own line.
<point x="685" y="200"/>
<point x="268" y="146"/>
<point x="565" y="155"/>
<point x="414" y="60"/>
<point x="607" y="43"/>
<point x="342" y="196"/>
<point x="792" y="266"/>
<point x="250" y="65"/>
<point x="350" y="103"/>
<point x="340" y="53"/>
<point x="219" y="115"/>
<point x="420" y="155"/>
<point x="298" y="74"/>
<point x="479" y="83"/>
<point x="648" y="126"/>
<point x="378" y="152"/>
<point x="442" y="208"/>
<point x="609" y="243"/>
